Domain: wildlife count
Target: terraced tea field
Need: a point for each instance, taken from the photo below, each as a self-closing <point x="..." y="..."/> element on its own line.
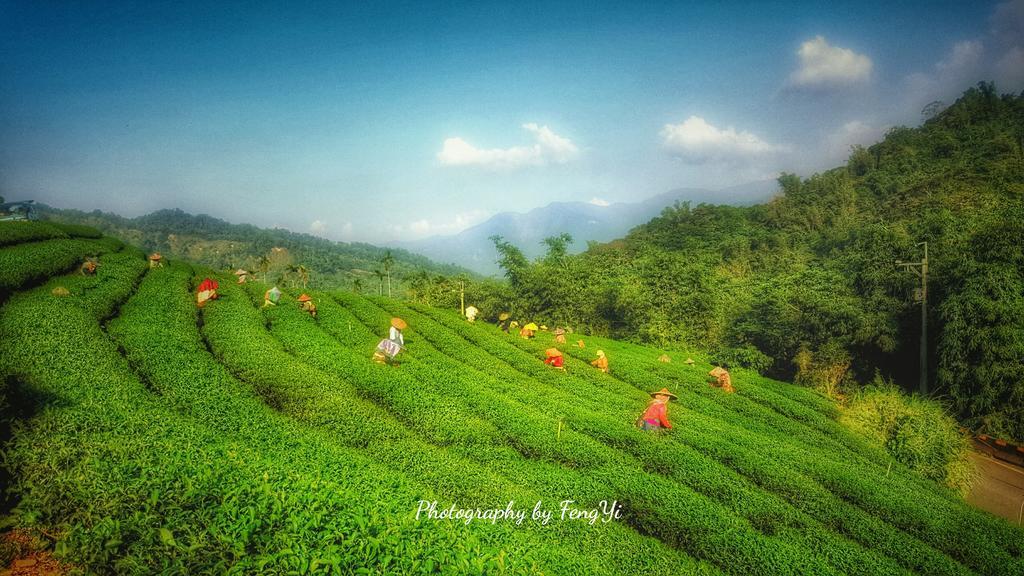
<point x="149" y="436"/>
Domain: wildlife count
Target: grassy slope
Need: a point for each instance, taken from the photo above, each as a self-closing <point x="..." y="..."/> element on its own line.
<point x="264" y="440"/>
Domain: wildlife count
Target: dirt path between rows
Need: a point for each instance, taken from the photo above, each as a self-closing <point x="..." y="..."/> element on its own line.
<point x="999" y="488"/>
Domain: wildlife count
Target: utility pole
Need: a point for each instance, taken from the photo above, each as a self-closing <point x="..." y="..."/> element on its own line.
<point x="920" y="269"/>
<point x="462" y="297"/>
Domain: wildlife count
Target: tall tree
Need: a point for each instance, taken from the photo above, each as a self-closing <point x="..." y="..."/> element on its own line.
<point x="388" y="261"/>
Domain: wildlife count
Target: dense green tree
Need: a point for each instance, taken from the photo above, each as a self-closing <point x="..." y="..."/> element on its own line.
<point x="809" y="279"/>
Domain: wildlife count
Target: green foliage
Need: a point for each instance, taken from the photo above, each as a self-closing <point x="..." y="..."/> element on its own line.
<point x="809" y="279"/>
<point x="76" y="230"/>
<point x="917" y="432"/>
<point x="23" y="264"/>
<point x="18" y="231"/>
<point x="743" y="357"/>
<point x="982" y="346"/>
<point x="221" y="245"/>
<point x="245" y="440"/>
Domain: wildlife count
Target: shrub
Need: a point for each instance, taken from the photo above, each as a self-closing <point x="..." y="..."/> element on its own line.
<point x="916" y="431"/>
<point x="744" y="357"/>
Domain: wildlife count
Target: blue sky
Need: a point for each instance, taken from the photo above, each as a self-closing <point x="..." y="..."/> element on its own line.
<point x="407" y="120"/>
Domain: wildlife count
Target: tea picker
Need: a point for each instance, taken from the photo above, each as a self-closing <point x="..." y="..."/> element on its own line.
<point x="722" y="379"/>
<point x="207" y="291"/>
<point x="471" y="312"/>
<point x="88" y="267"/>
<point x="528" y="331"/>
<point x="655" y="416"/>
<point x="601" y="363"/>
<point x="243" y="275"/>
<point x="554" y="358"/>
<point x="388" y="348"/>
<point x="307" y="305"/>
<point x="271" y="297"/>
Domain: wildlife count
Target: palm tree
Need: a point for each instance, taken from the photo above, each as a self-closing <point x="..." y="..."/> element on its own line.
<point x="380" y="279"/>
<point x="303" y="273"/>
<point x="388" y="261"/>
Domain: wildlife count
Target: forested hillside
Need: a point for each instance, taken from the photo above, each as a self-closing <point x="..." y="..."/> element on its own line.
<point x="274" y="254"/>
<point x="807" y="286"/>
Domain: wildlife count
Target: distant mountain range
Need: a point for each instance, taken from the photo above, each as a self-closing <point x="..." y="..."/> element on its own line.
<point x="473" y="249"/>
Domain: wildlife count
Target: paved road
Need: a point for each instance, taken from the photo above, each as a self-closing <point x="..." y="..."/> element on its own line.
<point x="999" y="489"/>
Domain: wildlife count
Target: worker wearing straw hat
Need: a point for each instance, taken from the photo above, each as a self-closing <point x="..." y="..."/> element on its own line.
<point x="554" y="358"/>
<point x="156" y="260"/>
<point x="271" y="297"/>
<point x="503" y="322"/>
<point x="722" y="378"/>
<point x="88" y="267"/>
<point x="559" y="335"/>
<point x="307" y="304"/>
<point x="656" y="415"/>
<point x="528" y="331"/>
<point x="601" y="363"/>
<point x="388" y="348"/>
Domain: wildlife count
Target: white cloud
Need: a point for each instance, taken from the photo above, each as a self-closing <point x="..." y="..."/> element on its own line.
<point x="1009" y="73"/>
<point x="548" y="148"/>
<point x="346" y="230"/>
<point x="824" y="65"/>
<point x="696" y="141"/>
<point x="427" y="227"/>
<point x="599" y="202"/>
<point x="854" y="133"/>
<point x="420" y="227"/>
<point x="957" y="71"/>
<point x="318" y="227"/>
<point x="965" y="56"/>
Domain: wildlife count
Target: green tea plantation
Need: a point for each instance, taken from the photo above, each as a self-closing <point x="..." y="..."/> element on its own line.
<point x="145" y="435"/>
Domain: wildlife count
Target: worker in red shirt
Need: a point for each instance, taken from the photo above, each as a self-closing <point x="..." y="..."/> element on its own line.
<point x="554" y="358"/>
<point x="656" y="414"/>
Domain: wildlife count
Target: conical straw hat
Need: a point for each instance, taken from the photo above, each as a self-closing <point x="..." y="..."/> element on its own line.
<point x="304" y="298"/>
<point x="552" y="352"/>
<point x="503" y="316"/>
<point x="399" y="323"/>
<point x="530" y="326"/>
<point x="664" y="392"/>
